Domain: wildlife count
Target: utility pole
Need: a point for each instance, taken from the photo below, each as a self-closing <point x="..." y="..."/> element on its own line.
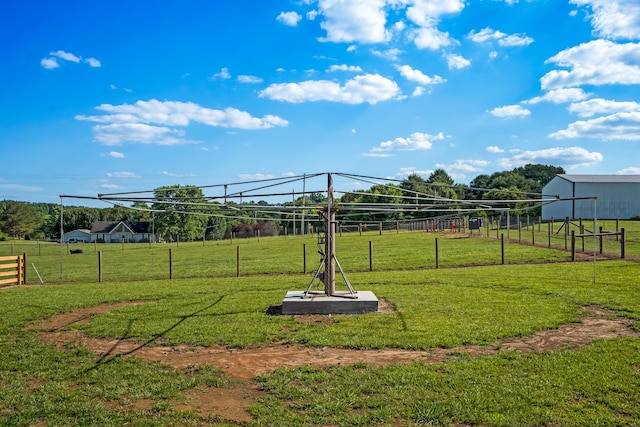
<point x="330" y="243"/>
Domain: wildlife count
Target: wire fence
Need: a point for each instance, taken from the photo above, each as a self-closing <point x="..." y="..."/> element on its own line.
<point x="373" y="246"/>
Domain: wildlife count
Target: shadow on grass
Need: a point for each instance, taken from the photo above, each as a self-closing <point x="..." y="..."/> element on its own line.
<point x="108" y="356"/>
<point x="274" y="310"/>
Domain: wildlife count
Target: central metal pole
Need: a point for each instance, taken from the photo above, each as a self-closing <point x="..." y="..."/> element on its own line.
<point x="330" y="260"/>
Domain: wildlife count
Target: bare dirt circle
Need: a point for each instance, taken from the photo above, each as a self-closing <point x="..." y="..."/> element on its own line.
<point x="243" y="365"/>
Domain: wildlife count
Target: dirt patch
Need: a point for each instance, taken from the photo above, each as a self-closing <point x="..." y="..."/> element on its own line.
<point x="81" y="315"/>
<point x="242" y="365"/>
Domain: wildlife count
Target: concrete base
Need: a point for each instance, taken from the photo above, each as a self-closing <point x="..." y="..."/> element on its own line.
<point x="319" y="303"/>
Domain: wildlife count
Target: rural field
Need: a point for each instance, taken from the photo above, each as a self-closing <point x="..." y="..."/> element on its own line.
<point x="483" y="330"/>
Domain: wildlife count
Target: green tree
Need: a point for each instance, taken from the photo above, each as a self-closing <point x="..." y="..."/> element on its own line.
<point x="19" y="220"/>
<point x="541" y="174"/>
<point x="183" y="212"/>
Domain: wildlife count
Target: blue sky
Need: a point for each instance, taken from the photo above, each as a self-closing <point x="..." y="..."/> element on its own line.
<point x="101" y="97"/>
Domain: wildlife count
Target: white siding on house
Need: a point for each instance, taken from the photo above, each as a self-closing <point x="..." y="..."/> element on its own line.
<point x="77" y="236"/>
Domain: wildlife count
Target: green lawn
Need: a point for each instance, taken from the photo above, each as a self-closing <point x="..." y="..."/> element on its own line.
<point x="446" y="307"/>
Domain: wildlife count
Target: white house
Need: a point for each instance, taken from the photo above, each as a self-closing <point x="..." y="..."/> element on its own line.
<point x="121" y="232"/>
<point x="81" y="235"/>
<point x="582" y="196"/>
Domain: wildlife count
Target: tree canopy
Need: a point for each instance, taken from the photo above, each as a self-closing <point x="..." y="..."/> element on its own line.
<point x="182" y="212"/>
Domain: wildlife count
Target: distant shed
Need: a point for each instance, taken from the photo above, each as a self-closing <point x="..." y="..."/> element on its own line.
<point x="618" y="196"/>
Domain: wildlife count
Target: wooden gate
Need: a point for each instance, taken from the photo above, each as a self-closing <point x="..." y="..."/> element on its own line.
<point x="13" y="270"/>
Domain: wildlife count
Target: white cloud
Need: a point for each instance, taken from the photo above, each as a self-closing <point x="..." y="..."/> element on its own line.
<point x="369" y="88"/>
<point x="65" y="56"/>
<point x="629" y="171"/>
<point x="515" y="40"/>
<point x="418" y="76"/>
<point x="431" y="38"/>
<point x="616" y="19"/>
<point x="560" y="96"/>
<point x="416" y="141"/>
<point x="389" y="54"/>
<point x="122" y="175"/>
<point x="148" y="122"/>
<point x="593" y="107"/>
<point x="345" y="67"/>
<point x="289" y="18"/>
<point x="457" y="62"/>
<point x="404" y="172"/>
<point x="494" y="149"/>
<point x="53" y="61"/>
<point x="503" y="39"/>
<point x="418" y="91"/>
<point x="120" y="133"/>
<point x="623" y="126"/>
<point x="49" y="63"/>
<point x="569" y="157"/>
<point x="426" y="13"/>
<point x="222" y="75"/>
<point x="108" y="186"/>
<point x="461" y="168"/>
<point x="510" y="111"/>
<point x="93" y="62"/>
<point x="349" y="21"/>
<point x="115" y="154"/>
<point x="484" y="35"/>
<point x="249" y="79"/>
<point x="177" y="175"/>
<point x="381" y="155"/>
<point x="311" y="15"/>
<point x="598" y="62"/>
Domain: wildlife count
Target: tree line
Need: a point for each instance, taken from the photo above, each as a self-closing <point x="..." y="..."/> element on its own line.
<point x="183" y="212"/>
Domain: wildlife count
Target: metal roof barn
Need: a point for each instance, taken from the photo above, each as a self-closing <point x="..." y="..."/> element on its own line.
<point x="580" y="196"/>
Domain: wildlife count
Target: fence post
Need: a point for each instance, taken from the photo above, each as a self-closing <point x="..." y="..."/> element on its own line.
<point x="622" y="252"/>
<point x="600" y="238"/>
<point x="304" y="258"/>
<point x="502" y="247"/>
<point x="20" y="262"/>
<point x="370" y="256"/>
<point x="533" y="236"/>
<point x="549" y="226"/>
<point x="170" y="264"/>
<point x="238" y="261"/>
<point x="573" y="245"/>
<point x="519" y="230"/>
<point x="99" y="266"/>
<point x="437" y="255"/>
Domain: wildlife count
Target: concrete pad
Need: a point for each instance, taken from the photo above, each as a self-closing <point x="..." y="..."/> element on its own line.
<point x="319" y="303"/>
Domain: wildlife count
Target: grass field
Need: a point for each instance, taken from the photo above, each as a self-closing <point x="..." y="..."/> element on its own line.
<point x="452" y="307"/>
<point x="53" y="263"/>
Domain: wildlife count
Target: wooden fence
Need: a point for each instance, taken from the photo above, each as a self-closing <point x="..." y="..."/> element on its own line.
<point x="13" y="270"/>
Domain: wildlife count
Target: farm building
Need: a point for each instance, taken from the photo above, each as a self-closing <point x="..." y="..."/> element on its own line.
<point x="617" y="197"/>
<point x="81" y="235"/>
<point x="121" y="232"/>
